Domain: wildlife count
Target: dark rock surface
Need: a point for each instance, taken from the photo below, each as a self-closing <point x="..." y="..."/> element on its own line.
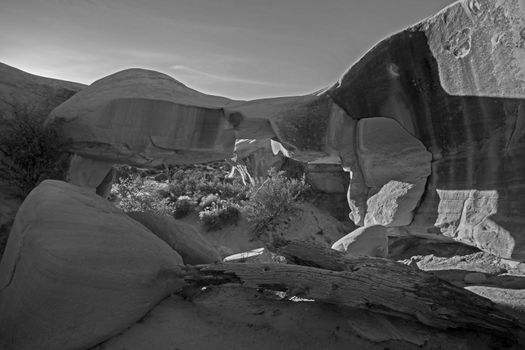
<point x="455" y="81"/>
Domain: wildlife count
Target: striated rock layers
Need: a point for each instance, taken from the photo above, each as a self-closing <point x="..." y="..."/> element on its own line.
<point x="77" y="270"/>
<point x="429" y="125"/>
<point x="146" y="118"/>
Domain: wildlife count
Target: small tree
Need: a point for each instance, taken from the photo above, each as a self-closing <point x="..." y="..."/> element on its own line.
<point x="30" y="152"/>
<point x="270" y="199"/>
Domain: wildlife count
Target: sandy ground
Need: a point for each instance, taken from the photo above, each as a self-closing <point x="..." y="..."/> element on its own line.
<point x="239" y="318"/>
<point x="308" y="223"/>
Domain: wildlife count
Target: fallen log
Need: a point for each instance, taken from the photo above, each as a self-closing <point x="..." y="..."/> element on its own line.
<point x="377" y="285"/>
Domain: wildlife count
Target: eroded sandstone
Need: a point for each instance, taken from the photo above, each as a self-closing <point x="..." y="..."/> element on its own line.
<point x="455" y="82"/>
<point x="77" y="271"/>
<point x="439" y="106"/>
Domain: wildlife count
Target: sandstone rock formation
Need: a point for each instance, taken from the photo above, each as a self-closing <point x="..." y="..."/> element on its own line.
<point x="430" y="127"/>
<point x="77" y="270"/>
<point x="456" y="82"/>
<point x="439" y="108"/>
<point x="183" y="238"/>
<point x="146" y="118"/>
<point x="364" y="241"/>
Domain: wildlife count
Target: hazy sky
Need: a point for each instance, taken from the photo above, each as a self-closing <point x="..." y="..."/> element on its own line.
<point x="235" y="48"/>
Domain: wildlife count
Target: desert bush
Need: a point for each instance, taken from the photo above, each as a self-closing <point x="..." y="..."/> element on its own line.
<point x="136" y="193"/>
<point x="218" y="201"/>
<point x="198" y="183"/>
<point x="183" y="206"/>
<point x="273" y="197"/>
<point x="208" y="201"/>
<point x="190" y="189"/>
<point x="220" y="214"/>
<point x="30" y="152"/>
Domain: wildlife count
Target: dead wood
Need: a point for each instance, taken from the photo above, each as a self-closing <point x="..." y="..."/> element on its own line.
<point x="377" y="285"/>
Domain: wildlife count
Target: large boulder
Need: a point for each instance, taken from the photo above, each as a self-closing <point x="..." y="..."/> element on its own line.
<point x="182" y="237"/>
<point x="143" y="117"/>
<point x="364" y="241"/>
<point x="77" y="271"/>
<point x="456" y="82"/>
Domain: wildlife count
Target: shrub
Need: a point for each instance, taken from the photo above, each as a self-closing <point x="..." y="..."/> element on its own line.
<point x="189" y="186"/>
<point x="208" y="201"/>
<point x="30" y="152"/>
<point x="183" y="206"/>
<point x="135" y="193"/>
<point x="268" y="200"/>
<point x="198" y="182"/>
<point x="219" y="215"/>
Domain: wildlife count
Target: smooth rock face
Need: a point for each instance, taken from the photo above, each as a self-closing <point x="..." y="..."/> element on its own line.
<point x="456" y="83"/>
<point x="144" y="117"/>
<point x="326" y="178"/>
<point x="387" y="152"/>
<point x="183" y="238"/>
<point x="104" y="188"/>
<point x="77" y="270"/>
<point x="87" y="172"/>
<point x="364" y="241"/>
<point x="395" y="166"/>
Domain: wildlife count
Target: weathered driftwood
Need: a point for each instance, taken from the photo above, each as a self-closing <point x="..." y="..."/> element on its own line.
<point x="374" y="284"/>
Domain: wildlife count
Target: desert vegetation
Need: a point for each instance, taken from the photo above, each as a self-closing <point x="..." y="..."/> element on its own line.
<point x="30" y="152"/>
<point x="207" y="191"/>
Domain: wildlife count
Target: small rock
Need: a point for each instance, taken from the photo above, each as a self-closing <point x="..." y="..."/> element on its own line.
<point x="365" y="241"/>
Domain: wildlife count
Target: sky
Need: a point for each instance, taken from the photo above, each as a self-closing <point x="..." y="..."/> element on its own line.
<point x="242" y="49"/>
